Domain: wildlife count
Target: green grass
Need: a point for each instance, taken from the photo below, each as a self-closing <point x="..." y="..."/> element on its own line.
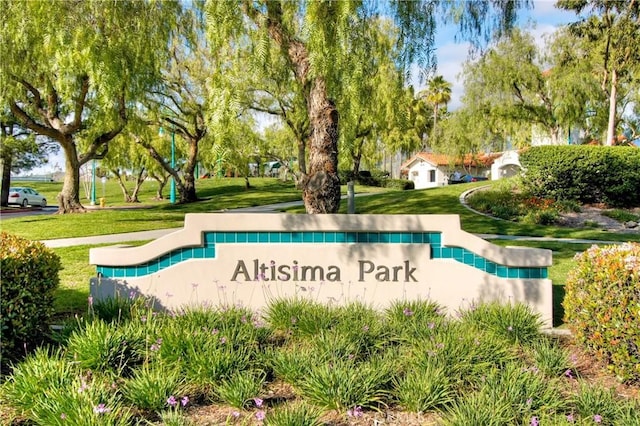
<point x="71" y="297"/>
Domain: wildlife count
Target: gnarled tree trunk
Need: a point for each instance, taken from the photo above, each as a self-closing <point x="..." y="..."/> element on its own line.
<point x="69" y="196"/>
<point x="321" y="187"/>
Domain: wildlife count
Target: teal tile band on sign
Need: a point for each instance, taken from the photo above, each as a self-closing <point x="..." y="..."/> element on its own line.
<point x="208" y="251"/>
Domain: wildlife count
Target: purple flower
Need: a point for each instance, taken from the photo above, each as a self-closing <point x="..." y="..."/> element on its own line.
<point x="214" y="331"/>
<point x="355" y="411"/>
<point x="101" y="409"/>
<point x="260" y="415"/>
<point x="534" y="421"/>
<point x="431" y="325"/>
<point x="569" y="373"/>
<point x="365" y="328"/>
<point x="90" y="300"/>
<point x="529" y="401"/>
<point x="597" y="418"/>
<point x="235" y="414"/>
<point x="407" y="312"/>
<point x="223" y="340"/>
<point x="258" y="402"/>
<point x="184" y="401"/>
<point x="294" y="320"/>
<point x="172" y="401"/>
<point x="63" y="416"/>
<point x="570" y="418"/>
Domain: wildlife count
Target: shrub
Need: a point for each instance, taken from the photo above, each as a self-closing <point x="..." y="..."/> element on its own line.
<point x="403" y="184"/>
<point x="29" y="280"/>
<point x="586" y="174"/>
<point x="602" y="305"/>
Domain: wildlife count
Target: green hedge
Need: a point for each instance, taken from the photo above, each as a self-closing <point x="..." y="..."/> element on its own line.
<point x="585" y="174"/>
<point x="602" y="306"/>
<point x="29" y="280"/>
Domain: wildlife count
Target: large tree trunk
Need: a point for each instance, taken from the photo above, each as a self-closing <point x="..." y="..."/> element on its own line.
<point x="321" y="188"/>
<point x="69" y="197"/>
<point x="188" y="190"/>
<point x="6" y="181"/>
<point x="611" y="127"/>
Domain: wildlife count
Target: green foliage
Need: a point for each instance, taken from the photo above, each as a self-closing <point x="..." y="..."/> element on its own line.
<point x="108" y="347"/>
<point x="524" y="390"/>
<point x="346" y="383"/>
<point x="602" y="306"/>
<point x="238" y="389"/>
<point x="403" y="184"/>
<point x="29" y="281"/>
<point x="585" y="174"/>
<point x="478" y="409"/>
<point x="591" y="402"/>
<point x="301" y="414"/>
<point x="51" y="390"/>
<point x="516" y="323"/>
<point x="550" y="358"/>
<point x="426" y="389"/>
<point x="150" y="386"/>
<point x="461" y="371"/>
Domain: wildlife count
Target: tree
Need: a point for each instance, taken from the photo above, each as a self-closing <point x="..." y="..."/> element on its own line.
<point x="314" y="38"/>
<point x="20" y="150"/>
<point x="514" y="86"/>
<point x="611" y="31"/>
<point x="438" y="92"/>
<point x="73" y="71"/>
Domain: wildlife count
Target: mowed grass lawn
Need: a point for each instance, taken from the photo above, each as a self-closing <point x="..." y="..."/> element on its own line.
<point x="226" y="194"/>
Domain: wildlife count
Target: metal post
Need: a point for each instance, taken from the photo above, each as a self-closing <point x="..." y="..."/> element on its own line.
<point x="93" y="183"/>
<point x="351" y="205"/>
<point x="172" y="193"/>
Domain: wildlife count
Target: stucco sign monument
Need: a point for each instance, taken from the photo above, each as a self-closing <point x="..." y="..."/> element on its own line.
<point x="251" y="259"/>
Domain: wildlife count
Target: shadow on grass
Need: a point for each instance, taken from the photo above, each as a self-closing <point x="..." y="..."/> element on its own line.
<point x="558" y="292"/>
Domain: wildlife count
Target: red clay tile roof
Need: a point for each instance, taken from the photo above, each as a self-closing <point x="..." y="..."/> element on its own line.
<point x="469" y="160"/>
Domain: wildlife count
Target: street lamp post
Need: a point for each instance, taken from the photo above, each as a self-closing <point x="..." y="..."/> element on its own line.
<point x="93" y="183"/>
<point x="172" y="192"/>
<point x="172" y="185"/>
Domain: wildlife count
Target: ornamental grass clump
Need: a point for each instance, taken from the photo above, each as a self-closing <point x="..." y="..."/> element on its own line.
<point x="49" y="389"/>
<point x="298" y="414"/>
<point x="602" y="306"/>
<point x="29" y="281"/>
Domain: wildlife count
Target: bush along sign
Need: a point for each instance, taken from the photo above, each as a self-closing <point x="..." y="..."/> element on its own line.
<point x="250" y="260"/>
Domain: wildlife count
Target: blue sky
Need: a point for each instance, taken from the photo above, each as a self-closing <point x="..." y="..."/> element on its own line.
<point x="543" y="19"/>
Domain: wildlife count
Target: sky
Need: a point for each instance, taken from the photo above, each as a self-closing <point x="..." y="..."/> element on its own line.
<point x="544" y="17"/>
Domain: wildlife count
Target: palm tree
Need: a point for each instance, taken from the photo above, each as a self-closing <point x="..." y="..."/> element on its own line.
<point x="438" y="92"/>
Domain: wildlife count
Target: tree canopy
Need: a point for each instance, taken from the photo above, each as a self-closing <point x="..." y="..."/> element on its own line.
<point x="73" y="71"/>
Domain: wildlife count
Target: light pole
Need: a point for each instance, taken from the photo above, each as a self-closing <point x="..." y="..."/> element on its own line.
<point x="172" y="185"/>
<point x="93" y="183"/>
<point x="172" y="192"/>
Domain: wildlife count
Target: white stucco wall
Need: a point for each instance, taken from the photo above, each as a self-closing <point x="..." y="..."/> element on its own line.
<point x="419" y="173"/>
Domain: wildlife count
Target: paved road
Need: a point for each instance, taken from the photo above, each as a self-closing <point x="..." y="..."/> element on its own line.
<point x="31" y="211"/>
